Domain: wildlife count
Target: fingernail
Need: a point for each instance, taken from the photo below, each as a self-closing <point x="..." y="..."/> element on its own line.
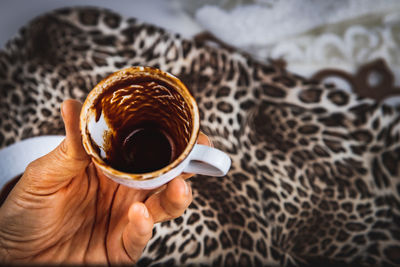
<point x="186" y="187"/>
<point x="209" y="141"/>
<point x="145" y="212"/>
<point x="141" y="209"/>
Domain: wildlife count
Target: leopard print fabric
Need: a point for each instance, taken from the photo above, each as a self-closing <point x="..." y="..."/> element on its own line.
<point x="315" y="174"/>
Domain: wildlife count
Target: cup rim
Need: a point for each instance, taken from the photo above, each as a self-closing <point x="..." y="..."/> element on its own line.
<point x="126" y="74"/>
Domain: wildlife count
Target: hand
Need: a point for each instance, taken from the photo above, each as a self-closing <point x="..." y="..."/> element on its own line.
<point x="64" y="210"/>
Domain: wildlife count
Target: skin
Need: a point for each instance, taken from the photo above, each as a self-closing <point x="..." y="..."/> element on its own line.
<point x="64" y="210"/>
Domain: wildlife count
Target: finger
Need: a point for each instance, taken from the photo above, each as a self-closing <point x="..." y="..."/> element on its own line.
<point x="138" y="231"/>
<point x="70" y="110"/>
<point x="171" y="202"/>
<point x="202" y="140"/>
<point x="68" y="159"/>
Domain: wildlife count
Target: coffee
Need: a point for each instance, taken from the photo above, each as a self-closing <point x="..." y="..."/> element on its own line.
<point x="149" y="124"/>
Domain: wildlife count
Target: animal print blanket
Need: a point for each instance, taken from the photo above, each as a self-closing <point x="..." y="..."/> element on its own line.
<point x="315" y="174"/>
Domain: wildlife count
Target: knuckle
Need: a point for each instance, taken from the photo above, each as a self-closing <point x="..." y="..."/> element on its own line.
<point x="177" y="209"/>
<point x="173" y="211"/>
<point x="32" y="167"/>
<point x="173" y="214"/>
<point x="62" y="151"/>
<point x="180" y="204"/>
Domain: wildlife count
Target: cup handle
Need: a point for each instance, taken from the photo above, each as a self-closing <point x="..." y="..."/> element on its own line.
<point x="207" y="160"/>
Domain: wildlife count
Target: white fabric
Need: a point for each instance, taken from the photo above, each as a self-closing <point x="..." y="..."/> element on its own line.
<point x="265" y="23"/>
<point x="15" y="158"/>
<point x="311" y="35"/>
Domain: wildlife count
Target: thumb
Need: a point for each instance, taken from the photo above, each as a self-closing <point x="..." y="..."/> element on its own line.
<point x="69" y="158"/>
<point x="72" y="145"/>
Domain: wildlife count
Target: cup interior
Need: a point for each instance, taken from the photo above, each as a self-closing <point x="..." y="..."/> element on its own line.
<point x="139" y="121"/>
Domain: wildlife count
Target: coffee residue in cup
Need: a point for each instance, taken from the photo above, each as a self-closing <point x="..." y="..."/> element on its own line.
<point x="146" y="149"/>
<point x="150" y="124"/>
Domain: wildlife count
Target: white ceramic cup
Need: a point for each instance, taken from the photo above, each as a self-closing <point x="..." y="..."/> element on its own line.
<point x="120" y="99"/>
